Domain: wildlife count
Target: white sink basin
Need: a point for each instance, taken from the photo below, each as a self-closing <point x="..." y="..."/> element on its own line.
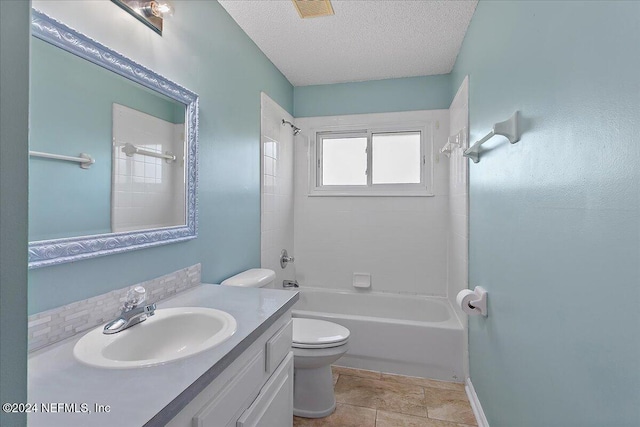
<point x="171" y="334"/>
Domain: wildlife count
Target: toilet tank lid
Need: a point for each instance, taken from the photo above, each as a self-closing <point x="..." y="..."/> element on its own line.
<point x="254" y="278"/>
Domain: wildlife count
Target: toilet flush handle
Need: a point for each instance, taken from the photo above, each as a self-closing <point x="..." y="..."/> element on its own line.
<point x="285" y="258"/>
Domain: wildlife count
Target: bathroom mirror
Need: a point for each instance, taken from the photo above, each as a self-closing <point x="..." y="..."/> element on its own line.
<point x="112" y="151"/>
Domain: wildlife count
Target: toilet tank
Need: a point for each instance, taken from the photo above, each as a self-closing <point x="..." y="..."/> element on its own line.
<point x="254" y="278"/>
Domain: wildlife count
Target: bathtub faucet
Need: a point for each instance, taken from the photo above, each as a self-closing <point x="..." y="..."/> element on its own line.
<point x="289" y="284"/>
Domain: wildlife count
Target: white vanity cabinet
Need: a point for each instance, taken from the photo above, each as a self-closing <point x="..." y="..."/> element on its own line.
<point x="255" y="390"/>
<point x="274" y="404"/>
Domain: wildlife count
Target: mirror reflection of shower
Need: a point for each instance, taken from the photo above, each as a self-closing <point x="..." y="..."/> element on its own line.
<point x="296" y="130"/>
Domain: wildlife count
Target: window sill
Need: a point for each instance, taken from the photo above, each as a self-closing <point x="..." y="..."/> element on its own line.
<point x="370" y="194"/>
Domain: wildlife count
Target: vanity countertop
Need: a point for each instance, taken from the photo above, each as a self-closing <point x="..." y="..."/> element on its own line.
<point x="136" y="396"/>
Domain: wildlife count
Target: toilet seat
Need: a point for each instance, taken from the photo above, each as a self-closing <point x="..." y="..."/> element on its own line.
<point x="314" y="333"/>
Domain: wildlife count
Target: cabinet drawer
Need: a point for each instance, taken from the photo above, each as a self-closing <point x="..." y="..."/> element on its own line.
<point x="221" y="410"/>
<point x="278" y="346"/>
<point x="274" y="405"/>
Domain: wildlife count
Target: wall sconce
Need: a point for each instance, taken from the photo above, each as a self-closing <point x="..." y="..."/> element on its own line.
<point x="151" y="13"/>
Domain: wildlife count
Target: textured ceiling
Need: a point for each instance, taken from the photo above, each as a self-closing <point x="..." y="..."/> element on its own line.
<point x="364" y="40"/>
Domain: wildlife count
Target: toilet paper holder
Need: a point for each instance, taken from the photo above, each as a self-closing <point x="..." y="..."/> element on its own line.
<point x="479" y="303"/>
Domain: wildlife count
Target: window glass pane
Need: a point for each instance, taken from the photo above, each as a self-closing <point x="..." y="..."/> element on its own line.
<point x="344" y="161"/>
<point x="396" y="158"/>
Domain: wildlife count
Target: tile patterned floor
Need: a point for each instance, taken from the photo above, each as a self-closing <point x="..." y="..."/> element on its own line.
<point x="372" y="399"/>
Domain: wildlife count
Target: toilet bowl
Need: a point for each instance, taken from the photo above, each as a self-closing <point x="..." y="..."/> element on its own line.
<point x="316" y="345"/>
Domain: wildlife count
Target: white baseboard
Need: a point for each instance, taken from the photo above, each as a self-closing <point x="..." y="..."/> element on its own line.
<point x="481" y="419"/>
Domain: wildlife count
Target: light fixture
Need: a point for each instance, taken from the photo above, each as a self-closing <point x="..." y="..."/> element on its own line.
<point x="157" y="9"/>
<point x="313" y="8"/>
<point x="151" y="13"/>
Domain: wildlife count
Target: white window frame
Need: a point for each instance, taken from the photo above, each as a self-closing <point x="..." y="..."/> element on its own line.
<point x="424" y="188"/>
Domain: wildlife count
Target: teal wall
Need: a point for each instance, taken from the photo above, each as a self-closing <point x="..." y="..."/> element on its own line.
<point x="71" y="113"/>
<point x="14" y="146"/>
<point x="204" y="50"/>
<point x="376" y="96"/>
<point x="555" y="219"/>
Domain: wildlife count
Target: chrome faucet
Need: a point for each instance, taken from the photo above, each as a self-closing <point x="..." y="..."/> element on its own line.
<point x="285" y="258"/>
<point x="133" y="312"/>
<point x="290" y="284"/>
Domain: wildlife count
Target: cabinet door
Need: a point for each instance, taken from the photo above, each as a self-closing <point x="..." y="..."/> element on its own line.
<point x="278" y="346"/>
<point x="224" y="408"/>
<point x="274" y="405"/>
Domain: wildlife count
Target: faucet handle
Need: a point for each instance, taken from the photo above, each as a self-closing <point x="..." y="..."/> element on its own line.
<point x="285" y="258"/>
<point x="135" y="297"/>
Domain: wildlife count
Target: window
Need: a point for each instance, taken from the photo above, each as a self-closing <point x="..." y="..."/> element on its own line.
<point x="387" y="161"/>
<point x="396" y="158"/>
<point x="344" y="160"/>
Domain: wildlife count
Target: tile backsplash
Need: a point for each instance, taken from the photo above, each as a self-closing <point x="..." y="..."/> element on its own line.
<point x="48" y="327"/>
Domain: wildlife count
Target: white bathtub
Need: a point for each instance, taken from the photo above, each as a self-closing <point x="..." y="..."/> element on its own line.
<point x="407" y="335"/>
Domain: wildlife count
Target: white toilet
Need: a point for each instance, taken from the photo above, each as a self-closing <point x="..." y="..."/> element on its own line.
<point x="316" y="345"/>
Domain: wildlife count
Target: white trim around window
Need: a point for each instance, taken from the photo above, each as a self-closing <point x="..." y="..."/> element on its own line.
<point x="362" y="126"/>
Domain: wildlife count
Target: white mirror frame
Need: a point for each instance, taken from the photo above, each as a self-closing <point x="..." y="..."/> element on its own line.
<point x="57" y="251"/>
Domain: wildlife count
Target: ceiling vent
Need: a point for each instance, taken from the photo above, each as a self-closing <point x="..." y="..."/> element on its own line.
<point x="313" y="8"/>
